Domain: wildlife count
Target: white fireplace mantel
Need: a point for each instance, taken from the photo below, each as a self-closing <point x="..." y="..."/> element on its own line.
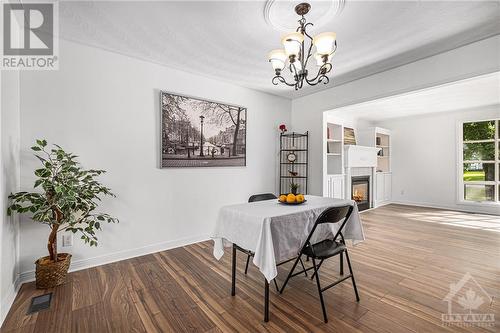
<point x="357" y="160"/>
<point x="360" y="156"/>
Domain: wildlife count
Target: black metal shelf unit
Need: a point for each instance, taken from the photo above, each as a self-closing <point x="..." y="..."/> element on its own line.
<point x="295" y="171"/>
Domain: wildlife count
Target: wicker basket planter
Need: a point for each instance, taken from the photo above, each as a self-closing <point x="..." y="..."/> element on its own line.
<point x="51" y="274"/>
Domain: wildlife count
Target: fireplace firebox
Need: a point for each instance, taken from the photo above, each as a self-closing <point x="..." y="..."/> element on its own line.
<point x="360" y="191"/>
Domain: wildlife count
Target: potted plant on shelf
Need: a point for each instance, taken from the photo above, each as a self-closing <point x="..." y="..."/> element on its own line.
<point x="66" y="202"/>
<point x="294" y="188"/>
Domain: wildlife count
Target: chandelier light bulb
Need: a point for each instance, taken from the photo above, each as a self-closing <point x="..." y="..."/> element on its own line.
<point x="277" y="58"/>
<point x="293" y="43"/>
<point x="324" y="42"/>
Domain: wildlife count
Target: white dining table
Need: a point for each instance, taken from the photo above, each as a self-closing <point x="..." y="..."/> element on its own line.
<point x="274" y="232"/>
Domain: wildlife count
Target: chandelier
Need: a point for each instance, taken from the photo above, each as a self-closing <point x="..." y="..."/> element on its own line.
<point x="294" y="54"/>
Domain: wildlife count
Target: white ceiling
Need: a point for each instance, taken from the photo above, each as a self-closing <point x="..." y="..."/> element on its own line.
<point x="229" y="40"/>
<point x="465" y="94"/>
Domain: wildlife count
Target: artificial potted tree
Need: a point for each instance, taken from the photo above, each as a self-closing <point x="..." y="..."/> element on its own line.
<point x="66" y="200"/>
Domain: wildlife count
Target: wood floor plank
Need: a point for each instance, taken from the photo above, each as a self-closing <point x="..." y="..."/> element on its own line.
<point x="86" y="290"/>
<point x="403" y="271"/>
<point x="90" y="319"/>
<point x="382" y="324"/>
<point x="119" y="309"/>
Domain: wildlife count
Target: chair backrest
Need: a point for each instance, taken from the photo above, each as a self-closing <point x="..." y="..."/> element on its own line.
<point x="262" y="197"/>
<point x="332" y="215"/>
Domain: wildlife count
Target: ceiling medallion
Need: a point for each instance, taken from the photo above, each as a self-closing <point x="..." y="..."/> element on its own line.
<point x="296" y="55"/>
<point x="279" y="14"/>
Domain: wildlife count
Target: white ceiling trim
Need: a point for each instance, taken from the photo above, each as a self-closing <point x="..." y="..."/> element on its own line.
<point x="486" y="93"/>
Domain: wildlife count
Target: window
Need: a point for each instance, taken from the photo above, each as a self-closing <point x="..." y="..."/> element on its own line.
<point x="480" y="161"/>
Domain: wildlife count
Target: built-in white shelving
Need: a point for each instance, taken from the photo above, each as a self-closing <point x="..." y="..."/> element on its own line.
<point x="334" y="155"/>
<point x="334" y="148"/>
<point x="382" y="141"/>
<point x="380" y="138"/>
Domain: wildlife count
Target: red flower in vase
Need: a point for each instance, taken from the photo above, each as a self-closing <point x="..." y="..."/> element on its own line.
<point x="283" y="128"/>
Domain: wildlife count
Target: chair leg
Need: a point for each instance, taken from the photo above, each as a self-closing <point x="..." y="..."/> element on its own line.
<point x="316" y="273"/>
<point x="248" y="261"/>
<point x="303" y="267"/>
<point x="319" y="265"/>
<point x="290" y="273"/>
<point x="233" y="272"/>
<point x="266" y="300"/>
<point x="276" y="285"/>
<point x="341" y="263"/>
<point x="352" y="276"/>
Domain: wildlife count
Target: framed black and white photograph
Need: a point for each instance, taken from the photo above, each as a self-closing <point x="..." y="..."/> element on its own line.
<point x="201" y="133"/>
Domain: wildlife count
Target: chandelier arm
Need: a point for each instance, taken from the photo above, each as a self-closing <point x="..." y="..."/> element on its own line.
<point x="311" y="81"/>
<point x="335" y="47"/>
<point x="305" y="29"/>
<point x="309" y="54"/>
<point x="302" y="24"/>
<point x="327" y="65"/>
<point x="294" y="72"/>
<point x="278" y="78"/>
<point x="320" y="79"/>
<point x="327" y="79"/>
<point x="324" y="69"/>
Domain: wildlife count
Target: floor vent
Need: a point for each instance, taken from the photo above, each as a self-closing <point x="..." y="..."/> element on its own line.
<point x="41" y="302"/>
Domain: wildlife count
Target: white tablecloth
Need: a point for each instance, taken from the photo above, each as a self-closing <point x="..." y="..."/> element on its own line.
<point x="276" y="232"/>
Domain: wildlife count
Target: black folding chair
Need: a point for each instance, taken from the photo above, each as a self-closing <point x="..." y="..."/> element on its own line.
<point x="262" y="197"/>
<point x="254" y="198"/>
<point x="326" y="249"/>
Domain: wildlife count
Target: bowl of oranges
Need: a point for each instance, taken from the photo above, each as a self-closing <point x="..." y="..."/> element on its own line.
<point x="291" y="199"/>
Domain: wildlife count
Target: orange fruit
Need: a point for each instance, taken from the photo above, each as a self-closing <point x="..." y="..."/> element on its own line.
<point x="300" y="198"/>
<point x="282" y="198"/>
<point x="290" y="198"/>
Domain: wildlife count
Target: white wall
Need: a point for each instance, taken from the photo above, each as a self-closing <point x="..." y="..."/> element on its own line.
<point x="468" y="61"/>
<point x="424" y="158"/>
<point x="105" y="108"/>
<point x="9" y="182"/>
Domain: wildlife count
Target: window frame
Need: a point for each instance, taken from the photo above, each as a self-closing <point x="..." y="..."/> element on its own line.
<point x="460" y="164"/>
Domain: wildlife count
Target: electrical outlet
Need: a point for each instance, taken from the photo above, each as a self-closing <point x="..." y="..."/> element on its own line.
<point x="67" y="240"/>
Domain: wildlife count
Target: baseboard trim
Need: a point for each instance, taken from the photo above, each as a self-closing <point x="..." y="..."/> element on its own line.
<point x="449" y="207"/>
<point x="385" y="203"/>
<point x="77" y="265"/>
<point x="8" y="300"/>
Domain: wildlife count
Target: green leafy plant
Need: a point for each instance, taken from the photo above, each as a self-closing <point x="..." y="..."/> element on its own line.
<point x="294" y="187"/>
<point x="67" y="197"/>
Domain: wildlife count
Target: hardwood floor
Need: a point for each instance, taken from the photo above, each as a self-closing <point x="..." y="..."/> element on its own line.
<point x="403" y="271"/>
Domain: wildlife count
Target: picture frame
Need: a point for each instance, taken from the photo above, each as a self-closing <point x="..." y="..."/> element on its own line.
<point x="196" y="132"/>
